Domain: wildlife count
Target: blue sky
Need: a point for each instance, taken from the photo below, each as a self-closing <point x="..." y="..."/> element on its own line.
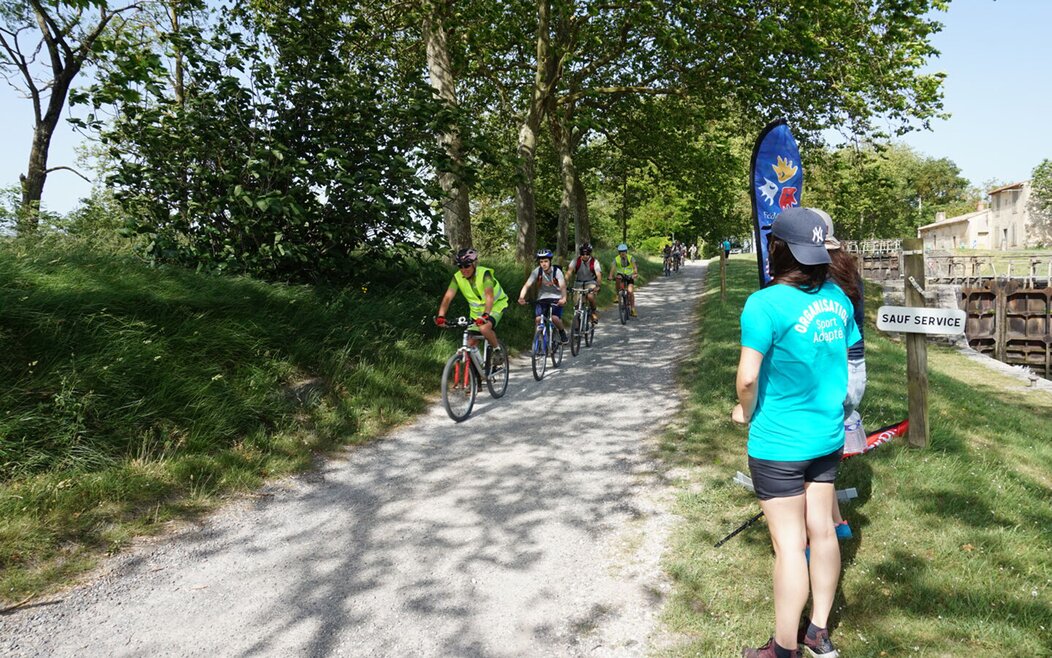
<point x="997" y="56"/>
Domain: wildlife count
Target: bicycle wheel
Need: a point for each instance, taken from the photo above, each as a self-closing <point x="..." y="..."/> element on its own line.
<point x="459" y="386"/>
<point x="497" y="379"/>
<point x="575" y="334"/>
<point x="589" y="332"/>
<point x="622" y="306"/>
<point x="540" y="352"/>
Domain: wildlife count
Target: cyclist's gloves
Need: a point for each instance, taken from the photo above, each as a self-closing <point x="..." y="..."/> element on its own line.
<point x="482" y="320"/>
<point x="440" y="320"/>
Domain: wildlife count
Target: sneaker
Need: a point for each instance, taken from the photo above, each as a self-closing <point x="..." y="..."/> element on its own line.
<point x="563" y="338"/>
<point x="819" y="645"/>
<point x="634" y="313"/>
<point x="843" y="531"/>
<point x="498" y="358"/>
<point x="766" y="651"/>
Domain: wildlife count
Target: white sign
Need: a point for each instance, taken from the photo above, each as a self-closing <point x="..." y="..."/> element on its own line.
<point x="910" y="320"/>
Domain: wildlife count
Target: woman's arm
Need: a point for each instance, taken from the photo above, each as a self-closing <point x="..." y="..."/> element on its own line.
<point x="747" y="384"/>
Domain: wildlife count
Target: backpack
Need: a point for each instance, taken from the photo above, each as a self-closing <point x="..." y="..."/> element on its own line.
<point x="591" y="265"/>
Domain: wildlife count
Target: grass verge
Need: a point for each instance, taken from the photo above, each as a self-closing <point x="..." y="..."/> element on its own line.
<point x="952" y="547"/>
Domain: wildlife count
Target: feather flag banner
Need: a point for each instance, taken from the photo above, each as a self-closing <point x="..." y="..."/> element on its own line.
<point x="777" y="183"/>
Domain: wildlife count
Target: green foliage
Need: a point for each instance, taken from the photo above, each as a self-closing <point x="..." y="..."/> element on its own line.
<point x="285" y="153"/>
<point x="884" y="190"/>
<point x="1040" y="204"/>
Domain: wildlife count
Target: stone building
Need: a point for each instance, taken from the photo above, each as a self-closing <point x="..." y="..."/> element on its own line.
<point x="1003" y="223"/>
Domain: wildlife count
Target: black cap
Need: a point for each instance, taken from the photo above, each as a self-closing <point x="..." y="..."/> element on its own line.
<point x="804" y="231"/>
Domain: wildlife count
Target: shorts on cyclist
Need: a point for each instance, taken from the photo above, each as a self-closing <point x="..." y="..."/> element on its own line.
<point x="494" y="319"/>
<point x="628" y="279"/>
<point x="542" y="305"/>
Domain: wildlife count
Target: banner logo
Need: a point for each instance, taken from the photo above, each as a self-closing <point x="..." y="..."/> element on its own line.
<point x="777" y="182"/>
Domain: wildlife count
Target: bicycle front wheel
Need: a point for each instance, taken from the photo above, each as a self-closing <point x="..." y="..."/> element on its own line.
<point x="460" y="385"/>
<point x="589" y="332"/>
<point x="556" y="350"/>
<point x="497" y="375"/>
<point x="622" y="306"/>
<point x="540" y="353"/>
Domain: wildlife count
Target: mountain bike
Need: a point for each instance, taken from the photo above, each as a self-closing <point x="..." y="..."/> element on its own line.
<point x="582" y="326"/>
<point x="467" y="367"/>
<point x="668" y="265"/>
<point x="623" y="307"/>
<point x="546" y="345"/>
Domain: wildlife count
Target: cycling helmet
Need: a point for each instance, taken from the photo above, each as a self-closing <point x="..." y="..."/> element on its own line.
<point x="586" y="249"/>
<point x="545" y="253"/>
<point x="622" y="247"/>
<point x="466" y="257"/>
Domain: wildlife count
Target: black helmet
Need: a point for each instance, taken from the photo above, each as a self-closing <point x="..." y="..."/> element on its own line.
<point x="586" y="248"/>
<point x="545" y="253"/>
<point x="466" y="257"/>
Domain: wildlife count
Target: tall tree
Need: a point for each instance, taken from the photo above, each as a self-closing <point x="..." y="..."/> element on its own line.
<point x="451" y="172"/>
<point x="1040" y="204"/>
<point x="45" y="45"/>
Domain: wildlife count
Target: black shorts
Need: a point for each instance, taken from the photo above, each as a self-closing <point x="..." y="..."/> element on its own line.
<point x="775" y="479"/>
<point x="628" y="279"/>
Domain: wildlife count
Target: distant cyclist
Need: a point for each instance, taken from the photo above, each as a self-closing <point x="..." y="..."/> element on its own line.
<point x="587" y="273"/>
<point x="625" y="268"/>
<point x="667" y="254"/>
<point x="486" y="299"/>
<point x="551" y="291"/>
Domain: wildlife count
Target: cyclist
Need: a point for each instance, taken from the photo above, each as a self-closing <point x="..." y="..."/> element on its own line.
<point x="486" y="299"/>
<point x="551" y="291"/>
<point x="667" y="254"/>
<point x="586" y="270"/>
<point x="626" y="269"/>
<point x="677" y="255"/>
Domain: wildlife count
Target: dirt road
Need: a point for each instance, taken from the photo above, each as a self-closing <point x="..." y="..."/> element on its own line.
<point x="534" y="528"/>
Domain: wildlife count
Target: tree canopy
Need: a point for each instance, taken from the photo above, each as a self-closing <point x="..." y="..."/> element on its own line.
<point x="237" y="140"/>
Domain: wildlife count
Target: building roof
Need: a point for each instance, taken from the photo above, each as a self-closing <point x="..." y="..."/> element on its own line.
<point x="955" y="220"/>
<point x="1005" y="188"/>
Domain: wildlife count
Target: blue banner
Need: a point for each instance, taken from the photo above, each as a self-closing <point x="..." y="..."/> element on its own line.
<point x="777" y="183"/>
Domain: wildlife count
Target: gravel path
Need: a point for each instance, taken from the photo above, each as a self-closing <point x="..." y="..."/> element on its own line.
<point x="534" y="528"/>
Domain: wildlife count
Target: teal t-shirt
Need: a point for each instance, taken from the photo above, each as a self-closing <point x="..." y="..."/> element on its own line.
<point x="803" y="380"/>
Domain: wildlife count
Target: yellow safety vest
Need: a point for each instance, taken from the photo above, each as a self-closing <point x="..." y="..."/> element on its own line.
<point x="476" y="295"/>
<point x="624" y="269"/>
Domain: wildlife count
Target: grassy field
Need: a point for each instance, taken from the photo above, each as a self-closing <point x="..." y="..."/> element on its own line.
<point x="135" y="395"/>
<point x="952" y="553"/>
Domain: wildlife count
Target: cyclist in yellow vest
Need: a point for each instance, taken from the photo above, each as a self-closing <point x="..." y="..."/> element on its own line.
<point x="486" y="299"/>
<point x="625" y="268"/>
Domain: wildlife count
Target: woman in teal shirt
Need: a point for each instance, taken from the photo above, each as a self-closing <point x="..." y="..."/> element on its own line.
<point x="792" y="379"/>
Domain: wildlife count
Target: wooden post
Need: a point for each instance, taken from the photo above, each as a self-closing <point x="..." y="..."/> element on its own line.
<point x="916" y="345"/>
<point x="723" y="275"/>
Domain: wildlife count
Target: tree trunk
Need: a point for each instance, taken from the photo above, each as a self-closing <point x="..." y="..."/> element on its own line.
<point x="583" y="224"/>
<point x="456" y="214"/>
<point x="525" y="202"/>
<point x="560" y="137"/>
<point x="36" y="172"/>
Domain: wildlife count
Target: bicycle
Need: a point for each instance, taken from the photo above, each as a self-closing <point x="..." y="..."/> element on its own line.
<point x="623" y="307"/>
<point x="468" y="365"/>
<point x="546" y="345"/>
<point x="668" y="265"/>
<point x="582" y="326"/>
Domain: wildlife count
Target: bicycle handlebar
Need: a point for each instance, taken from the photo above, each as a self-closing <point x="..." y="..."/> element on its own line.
<point x="458" y="323"/>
